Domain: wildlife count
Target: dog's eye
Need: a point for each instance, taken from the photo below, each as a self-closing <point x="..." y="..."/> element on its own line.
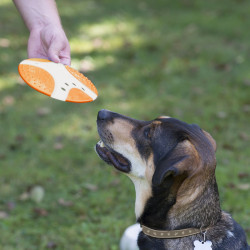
<point x="147" y="133"/>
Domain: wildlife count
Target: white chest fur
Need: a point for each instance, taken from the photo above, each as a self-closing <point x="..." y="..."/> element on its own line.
<point x="143" y="192"/>
<point x="129" y="238"/>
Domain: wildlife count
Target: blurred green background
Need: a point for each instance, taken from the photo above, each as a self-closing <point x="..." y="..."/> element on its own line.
<point x="186" y="59"/>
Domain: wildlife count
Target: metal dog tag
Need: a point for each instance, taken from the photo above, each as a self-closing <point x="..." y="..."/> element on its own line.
<point x="204" y="245"/>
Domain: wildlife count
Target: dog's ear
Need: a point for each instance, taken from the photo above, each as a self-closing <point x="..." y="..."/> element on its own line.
<point x="172" y="164"/>
<point x="211" y="139"/>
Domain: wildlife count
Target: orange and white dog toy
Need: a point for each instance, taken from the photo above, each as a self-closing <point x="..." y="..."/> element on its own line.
<point x="57" y="80"/>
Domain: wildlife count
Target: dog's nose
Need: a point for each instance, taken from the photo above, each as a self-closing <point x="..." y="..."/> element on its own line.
<point x="104" y="114"/>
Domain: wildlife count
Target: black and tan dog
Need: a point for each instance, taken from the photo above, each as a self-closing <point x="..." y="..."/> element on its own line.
<point x="172" y="165"/>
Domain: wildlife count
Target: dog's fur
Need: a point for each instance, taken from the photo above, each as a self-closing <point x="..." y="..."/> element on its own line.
<point x="172" y="165"/>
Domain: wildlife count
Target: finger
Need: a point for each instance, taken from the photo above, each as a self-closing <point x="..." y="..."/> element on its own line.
<point x="57" y="54"/>
<point x="65" y="56"/>
<point x="54" y="51"/>
<point x="53" y="55"/>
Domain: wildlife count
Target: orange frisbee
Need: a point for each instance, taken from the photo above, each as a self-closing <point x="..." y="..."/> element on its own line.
<point x="56" y="80"/>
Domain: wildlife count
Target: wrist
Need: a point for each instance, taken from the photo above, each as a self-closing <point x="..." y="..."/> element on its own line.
<point x="38" y="14"/>
<point x="40" y="25"/>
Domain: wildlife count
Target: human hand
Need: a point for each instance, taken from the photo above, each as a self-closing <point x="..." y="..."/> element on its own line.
<point x="49" y="42"/>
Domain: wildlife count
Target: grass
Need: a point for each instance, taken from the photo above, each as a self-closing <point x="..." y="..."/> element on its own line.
<point x="183" y="59"/>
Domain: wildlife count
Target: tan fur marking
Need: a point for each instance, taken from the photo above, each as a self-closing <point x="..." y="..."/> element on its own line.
<point x="150" y="169"/>
<point x="121" y="130"/>
<point x="157" y="122"/>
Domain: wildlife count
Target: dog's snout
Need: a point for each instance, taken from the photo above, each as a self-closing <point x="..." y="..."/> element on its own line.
<point x="104" y="115"/>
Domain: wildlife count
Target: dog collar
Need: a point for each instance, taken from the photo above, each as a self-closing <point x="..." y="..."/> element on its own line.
<point x="172" y="234"/>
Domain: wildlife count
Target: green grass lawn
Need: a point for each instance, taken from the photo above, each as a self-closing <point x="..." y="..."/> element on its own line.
<point x="188" y="60"/>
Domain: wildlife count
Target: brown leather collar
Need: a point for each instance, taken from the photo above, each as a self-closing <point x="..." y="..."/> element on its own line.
<point x="170" y="234"/>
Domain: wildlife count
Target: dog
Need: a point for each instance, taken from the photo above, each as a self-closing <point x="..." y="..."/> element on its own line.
<point x="172" y="165"/>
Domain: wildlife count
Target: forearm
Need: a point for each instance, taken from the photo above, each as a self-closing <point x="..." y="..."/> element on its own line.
<point x="38" y="13"/>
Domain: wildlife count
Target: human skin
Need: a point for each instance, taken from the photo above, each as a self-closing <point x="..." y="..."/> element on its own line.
<point x="47" y="38"/>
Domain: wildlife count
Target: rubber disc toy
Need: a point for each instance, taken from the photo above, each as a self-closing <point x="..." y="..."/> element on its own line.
<point x="57" y="80"/>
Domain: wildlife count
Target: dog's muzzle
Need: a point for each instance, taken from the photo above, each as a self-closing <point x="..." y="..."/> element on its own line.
<point x="104" y="148"/>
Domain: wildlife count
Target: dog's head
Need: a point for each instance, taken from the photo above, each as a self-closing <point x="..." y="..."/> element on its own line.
<point x="155" y="153"/>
